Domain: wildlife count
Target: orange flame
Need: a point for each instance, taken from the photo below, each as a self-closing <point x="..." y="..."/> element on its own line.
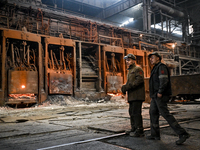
<point x="112" y="94"/>
<point x="31" y="95"/>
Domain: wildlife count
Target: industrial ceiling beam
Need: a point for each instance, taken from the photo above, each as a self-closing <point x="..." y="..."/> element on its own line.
<point x="168" y="9"/>
<point x="117" y="8"/>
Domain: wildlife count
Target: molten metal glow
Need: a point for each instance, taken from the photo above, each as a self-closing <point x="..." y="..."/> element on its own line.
<point x="15" y="96"/>
<point x="112" y="94"/>
<point x="23" y="86"/>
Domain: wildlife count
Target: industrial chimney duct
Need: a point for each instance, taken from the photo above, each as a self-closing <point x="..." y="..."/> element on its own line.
<point x="168" y="9"/>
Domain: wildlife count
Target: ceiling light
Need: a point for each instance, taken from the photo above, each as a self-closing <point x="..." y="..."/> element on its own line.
<point x="127" y="22"/>
<point x="131" y="19"/>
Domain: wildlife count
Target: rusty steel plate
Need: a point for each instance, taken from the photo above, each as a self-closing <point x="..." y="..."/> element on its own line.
<point x="185" y="84"/>
<point x="60" y="83"/>
<point x="115" y="49"/>
<point x="114" y="84"/>
<point x="22" y="82"/>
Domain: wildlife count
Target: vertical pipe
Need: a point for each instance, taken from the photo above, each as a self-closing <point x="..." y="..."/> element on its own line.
<point x="80" y="64"/>
<point x="113" y="63"/>
<point x="57" y="27"/>
<point x="28" y="54"/>
<point x="99" y="66"/>
<point x="161" y="24"/>
<point x="167" y="26"/>
<point x="24" y="43"/>
<point x="52" y="60"/>
<point x="198" y="67"/>
<point x="149" y="16"/>
<point x="41" y="93"/>
<point x="46" y="67"/>
<point x="37" y="27"/>
<point x="123" y="67"/>
<point x="148" y="69"/>
<point x="40" y="81"/>
<point x="63" y="60"/>
<point x="104" y="69"/>
<point x="180" y="67"/>
<point x="8" y="24"/>
<point x="13" y="57"/>
<point x="184" y="36"/>
<point x="143" y="65"/>
<point x="3" y="72"/>
<point x="154" y="21"/>
<point x="60" y="61"/>
<point x="74" y="67"/>
<point x="144" y="16"/>
<point x="170" y="28"/>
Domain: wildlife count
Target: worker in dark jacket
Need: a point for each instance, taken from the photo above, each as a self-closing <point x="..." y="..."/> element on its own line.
<point x="136" y="95"/>
<point x="160" y="91"/>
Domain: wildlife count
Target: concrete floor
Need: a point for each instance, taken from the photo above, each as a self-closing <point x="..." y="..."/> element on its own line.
<point x="70" y="126"/>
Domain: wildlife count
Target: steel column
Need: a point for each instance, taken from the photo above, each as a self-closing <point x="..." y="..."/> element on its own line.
<point x="46" y="67"/>
<point x="144" y="16"/>
<point x="167" y="26"/>
<point x="154" y="21"/>
<point x="180" y="69"/>
<point x="104" y="68"/>
<point x="74" y="68"/>
<point x="80" y="65"/>
<point x="3" y="72"/>
<point x="149" y="16"/>
<point x="123" y="68"/>
<point x="40" y="71"/>
<point x="99" y="68"/>
<point x="161" y="23"/>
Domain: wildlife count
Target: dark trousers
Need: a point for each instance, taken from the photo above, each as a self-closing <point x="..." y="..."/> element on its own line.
<point x="135" y="109"/>
<point x="159" y="106"/>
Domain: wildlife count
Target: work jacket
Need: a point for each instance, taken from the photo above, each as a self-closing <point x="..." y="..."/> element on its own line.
<point x="135" y="84"/>
<point x="159" y="81"/>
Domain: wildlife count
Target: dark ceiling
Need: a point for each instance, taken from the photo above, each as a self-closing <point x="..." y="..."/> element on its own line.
<point x="118" y="11"/>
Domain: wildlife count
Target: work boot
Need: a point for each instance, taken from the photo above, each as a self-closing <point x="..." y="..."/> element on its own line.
<point x="129" y="131"/>
<point x="137" y="133"/>
<point x="150" y="137"/>
<point x="182" y="139"/>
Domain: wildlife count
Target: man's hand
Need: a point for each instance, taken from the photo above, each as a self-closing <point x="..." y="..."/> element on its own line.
<point x="159" y="95"/>
<point x="123" y="89"/>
